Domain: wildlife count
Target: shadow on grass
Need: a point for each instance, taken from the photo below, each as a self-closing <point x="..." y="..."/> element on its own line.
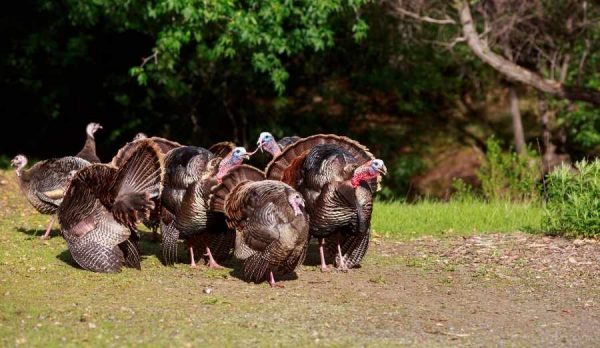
<point x="238" y="273"/>
<point x="38" y="233"/>
<point x="65" y="256"/>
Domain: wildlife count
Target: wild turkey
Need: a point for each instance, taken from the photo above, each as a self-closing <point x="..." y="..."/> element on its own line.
<point x="45" y="183"/>
<point x="267" y="142"/>
<point x="103" y="204"/>
<point x="269" y="219"/>
<point x="190" y="174"/>
<point x="165" y="145"/>
<point x="335" y="175"/>
<point x="88" y="152"/>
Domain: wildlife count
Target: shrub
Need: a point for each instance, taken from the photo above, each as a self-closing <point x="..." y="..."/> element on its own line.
<point x="508" y="175"/>
<point x="573" y="205"/>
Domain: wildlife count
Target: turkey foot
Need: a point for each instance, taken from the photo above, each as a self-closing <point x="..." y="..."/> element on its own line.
<point x="211" y="261"/>
<point x="324" y="267"/>
<point x="272" y="282"/>
<point x="46" y="235"/>
<point x="342" y="264"/>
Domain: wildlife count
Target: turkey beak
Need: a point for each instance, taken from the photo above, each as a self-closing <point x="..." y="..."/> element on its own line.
<point x="260" y="144"/>
<point x="382" y="170"/>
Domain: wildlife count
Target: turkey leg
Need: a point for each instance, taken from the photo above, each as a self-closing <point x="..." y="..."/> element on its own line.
<point x="193" y="263"/>
<point x="211" y="261"/>
<point x="271" y="279"/>
<point x="324" y="267"/>
<point x="342" y="266"/>
<point x="48" y="229"/>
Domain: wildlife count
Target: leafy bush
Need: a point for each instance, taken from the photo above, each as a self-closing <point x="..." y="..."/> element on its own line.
<point x="573" y="206"/>
<point x="508" y="175"/>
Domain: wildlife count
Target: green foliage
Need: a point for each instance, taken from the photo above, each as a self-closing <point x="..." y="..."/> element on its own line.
<point x="397" y="183"/>
<point x="462" y="191"/>
<point x="508" y="175"/>
<point x="4" y="161"/>
<point x="573" y="204"/>
<point x="583" y="126"/>
<point x="263" y="33"/>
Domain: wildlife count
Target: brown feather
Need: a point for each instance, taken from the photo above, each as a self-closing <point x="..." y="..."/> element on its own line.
<point x="222" y="148"/>
<point x="236" y="176"/>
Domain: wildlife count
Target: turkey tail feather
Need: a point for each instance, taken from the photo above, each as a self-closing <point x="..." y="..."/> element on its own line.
<point x="235" y="177"/>
<point x="138" y="181"/>
<point x="170" y="235"/>
<point x="256" y="268"/>
<point x="278" y="165"/>
<point x="222" y="148"/>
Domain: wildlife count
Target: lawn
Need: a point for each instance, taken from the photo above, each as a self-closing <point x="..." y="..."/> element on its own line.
<point x="405" y="221"/>
<point x="485" y="289"/>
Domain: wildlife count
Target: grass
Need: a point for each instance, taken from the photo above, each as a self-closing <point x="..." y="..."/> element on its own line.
<point x="46" y="300"/>
<point x="406" y="221"/>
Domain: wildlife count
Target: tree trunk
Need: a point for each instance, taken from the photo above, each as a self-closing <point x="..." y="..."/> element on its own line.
<point x="516" y="121"/>
<point x="548" y="147"/>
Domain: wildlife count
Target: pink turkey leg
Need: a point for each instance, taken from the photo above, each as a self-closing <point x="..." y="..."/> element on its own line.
<point x="342" y="266"/>
<point x="48" y="229"/>
<point x="324" y="267"/>
<point x="272" y="281"/>
<point x="193" y="263"/>
<point x="211" y="261"/>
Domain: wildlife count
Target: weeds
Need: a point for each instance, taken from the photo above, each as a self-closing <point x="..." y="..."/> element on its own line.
<point x="573" y="206"/>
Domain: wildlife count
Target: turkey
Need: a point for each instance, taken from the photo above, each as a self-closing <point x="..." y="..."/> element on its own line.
<point x="45" y="183"/>
<point x="103" y="204"/>
<point x="335" y="175"/>
<point x="165" y="145"/>
<point x="267" y="142"/>
<point x="190" y="174"/>
<point x="270" y="223"/>
<point x="88" y="152"/>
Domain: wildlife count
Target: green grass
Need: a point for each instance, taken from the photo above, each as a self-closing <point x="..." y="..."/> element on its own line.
<point x="405" y="221"/>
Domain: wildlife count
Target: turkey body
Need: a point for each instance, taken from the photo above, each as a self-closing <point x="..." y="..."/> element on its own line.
<point x="102" y="206"/>
<point x="269" y="219"/>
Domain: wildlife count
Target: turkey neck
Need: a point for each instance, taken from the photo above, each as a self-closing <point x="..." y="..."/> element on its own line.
<point x="24" y="175"/>
<point x="90" y="144"/>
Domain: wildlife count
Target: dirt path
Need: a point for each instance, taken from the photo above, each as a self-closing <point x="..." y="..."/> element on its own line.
<point x="509" y="289"/>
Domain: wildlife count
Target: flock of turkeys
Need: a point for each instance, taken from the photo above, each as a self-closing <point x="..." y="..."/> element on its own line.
<point x="320" y="186"/>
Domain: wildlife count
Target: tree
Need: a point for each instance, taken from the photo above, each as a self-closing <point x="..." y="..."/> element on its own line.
<point x="541" y="38"/>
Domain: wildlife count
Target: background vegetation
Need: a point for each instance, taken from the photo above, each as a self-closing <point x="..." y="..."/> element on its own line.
<point x="407" y="78"/>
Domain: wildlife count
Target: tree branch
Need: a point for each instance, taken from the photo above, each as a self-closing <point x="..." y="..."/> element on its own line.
<point x="514" y="71"/>
<point x="149" y="58"/>
<point x="398" y="8"/>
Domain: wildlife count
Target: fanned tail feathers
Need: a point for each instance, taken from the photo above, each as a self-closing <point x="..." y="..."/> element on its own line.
<point x="235" y="177"/>
<point x="276" y="169"/>
<point x="222" y="149"/>
<point x="138" y="182"/>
